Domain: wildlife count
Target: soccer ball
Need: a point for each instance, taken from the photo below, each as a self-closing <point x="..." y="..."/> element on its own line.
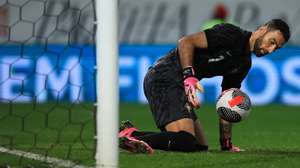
<point x="233" y="105"/>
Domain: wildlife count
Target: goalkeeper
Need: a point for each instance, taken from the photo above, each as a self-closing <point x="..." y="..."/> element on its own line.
<point x="171" y="83"/>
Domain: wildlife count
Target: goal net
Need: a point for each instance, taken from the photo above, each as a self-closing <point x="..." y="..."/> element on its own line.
<point x="47" y="83"/>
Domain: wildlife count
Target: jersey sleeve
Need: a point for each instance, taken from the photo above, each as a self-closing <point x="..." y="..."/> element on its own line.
<point x="222" y="36"/>
<point x="233" y="80"/>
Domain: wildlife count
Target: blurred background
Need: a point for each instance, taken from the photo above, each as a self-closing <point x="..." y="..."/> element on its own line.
<point x="147" y="30"/>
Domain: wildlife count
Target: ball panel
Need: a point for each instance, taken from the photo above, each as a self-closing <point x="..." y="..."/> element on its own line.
<point x="223" y="100"/>
<point x="229" y="115"/>
<point x="233" y="105"/>
<point x="246" y="104"/>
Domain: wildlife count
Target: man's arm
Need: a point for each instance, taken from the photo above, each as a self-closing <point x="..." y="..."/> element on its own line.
<point x="225" y="128"/>
<point x="225" y="137"/>
<point x="186" y="47"/>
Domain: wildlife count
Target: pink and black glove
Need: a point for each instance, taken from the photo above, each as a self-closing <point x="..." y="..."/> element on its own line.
<point x="226" y="145"/>
<point x="191" y="85"/>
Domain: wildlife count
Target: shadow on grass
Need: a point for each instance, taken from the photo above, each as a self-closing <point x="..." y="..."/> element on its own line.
<point x="278" y="152"/>
<point x="256" y="158"/>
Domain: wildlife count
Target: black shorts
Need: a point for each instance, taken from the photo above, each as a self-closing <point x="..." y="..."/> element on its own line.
<point x="164" y="90"/>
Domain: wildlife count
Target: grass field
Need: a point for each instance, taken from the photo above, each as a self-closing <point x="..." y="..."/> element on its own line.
<point x="270" y="136"/>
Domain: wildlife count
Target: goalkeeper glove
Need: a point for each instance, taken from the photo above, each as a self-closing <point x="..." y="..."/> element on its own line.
<point x="191" y="85"/>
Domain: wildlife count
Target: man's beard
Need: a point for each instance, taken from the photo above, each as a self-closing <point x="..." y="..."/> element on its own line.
<point x="259" y="52"/>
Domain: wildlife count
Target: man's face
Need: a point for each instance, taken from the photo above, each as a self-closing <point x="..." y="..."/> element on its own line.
<point x="268" y="42"/>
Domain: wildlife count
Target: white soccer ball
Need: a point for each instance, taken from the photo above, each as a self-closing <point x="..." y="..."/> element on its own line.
<point x="233" y="105"/>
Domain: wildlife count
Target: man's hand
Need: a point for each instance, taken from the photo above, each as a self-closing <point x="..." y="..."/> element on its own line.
<point x="226" y="145"/>
<point x="236" y="149"/>
<point x="225" y="137"/>
<point x="191" y="86"/>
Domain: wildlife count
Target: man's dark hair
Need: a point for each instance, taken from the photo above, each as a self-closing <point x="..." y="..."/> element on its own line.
<point x="282" y="26"/>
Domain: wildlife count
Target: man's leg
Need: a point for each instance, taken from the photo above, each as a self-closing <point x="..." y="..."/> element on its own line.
<point x="134" y="145"/>
<point x="165" y="93"/>
<point x="128" y="129"/>
<point x="199" y="133"/>
<point x="185" y="124"/>
<point x="128" y="140"/>
<point x="179" y="136"/>
<point x="176" y="138"/>
<point x="181" y="141"/>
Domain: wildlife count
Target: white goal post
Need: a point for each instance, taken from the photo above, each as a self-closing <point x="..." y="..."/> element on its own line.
<point x="107" y="154"/>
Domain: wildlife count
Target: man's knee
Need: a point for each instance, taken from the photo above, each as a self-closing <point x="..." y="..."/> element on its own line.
<point x="185" y="124"/>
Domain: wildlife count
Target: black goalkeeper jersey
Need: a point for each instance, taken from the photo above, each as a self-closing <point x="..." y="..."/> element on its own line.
<point x="227" y="55"/>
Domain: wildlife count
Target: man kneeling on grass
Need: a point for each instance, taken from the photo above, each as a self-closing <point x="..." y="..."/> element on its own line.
<point x="170" y="85"/>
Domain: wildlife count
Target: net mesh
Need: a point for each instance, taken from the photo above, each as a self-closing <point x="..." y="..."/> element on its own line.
<point x="47" y="85"/>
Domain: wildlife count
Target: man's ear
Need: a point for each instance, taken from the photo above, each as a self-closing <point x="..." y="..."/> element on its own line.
<point x="262" y="30"/>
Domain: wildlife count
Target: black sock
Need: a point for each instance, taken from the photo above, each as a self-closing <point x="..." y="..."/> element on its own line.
<point x="173" y="141"/>
<point x="141" y="133"/>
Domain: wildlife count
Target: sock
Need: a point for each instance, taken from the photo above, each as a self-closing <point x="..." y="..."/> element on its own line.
<point x="173" y="141"/>
<point x="141" y="133"/>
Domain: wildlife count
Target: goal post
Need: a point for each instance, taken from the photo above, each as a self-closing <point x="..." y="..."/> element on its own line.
<point x="107" y="83"/>
<point x="56" y="65"/>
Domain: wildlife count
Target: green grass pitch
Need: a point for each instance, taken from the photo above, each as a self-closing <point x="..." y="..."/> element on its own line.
<point x="270" y="136"/>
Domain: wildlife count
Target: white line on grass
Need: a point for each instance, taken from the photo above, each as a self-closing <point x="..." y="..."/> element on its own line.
<point x="49" y="160"/>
